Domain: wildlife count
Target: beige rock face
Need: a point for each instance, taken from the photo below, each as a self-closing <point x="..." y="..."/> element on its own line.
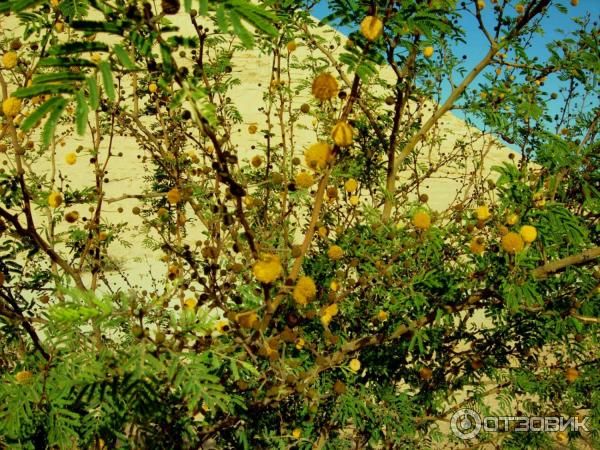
<point x="253" y="68"/>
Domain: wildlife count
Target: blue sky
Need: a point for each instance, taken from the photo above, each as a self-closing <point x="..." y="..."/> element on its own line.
<point x="477" y="46"/>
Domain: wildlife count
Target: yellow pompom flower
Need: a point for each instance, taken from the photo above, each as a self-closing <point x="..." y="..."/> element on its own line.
<point x="351" y="185"/>
<point x="9" y="60"/>
<point x="247" y="319"/>
<point x="152" y="87"/>
<point x="304" y="291"/>
<point x="304" y="180"/>
<point x="220" y="326"/>
<point x="297" y="433"/>
<point x="512" y="219"/>
<point x="354" y="200"/>
<point x="477" y="246"/>
<point x="300" y="343"/>
<point x="252" y="128"/>
<point x="190" y="303"/>
<point x="520" y="8"/>
<point x="482" y="213"/>
<point x="332" y="309"/>
<point x="71" y="158"/>
<point x="512" y="243"/>
<point x="528" y="233"/>
<point x="268" y="268"/>
<point x="421" y="220"/>
<point x="480" y="4"/>
<point x="371" y="28"/>
<point x="54" y="199"/>
<point x="334" y="286"/>
<point x="342" y="134"/>
<point x="354" y="365"/>
<point x="256" y="161"/>
<point x="174" y="196"/>
<point x="324" y="87"/>
<point x="382" y="315"/>
<point x="11" y="106"/>
<point x="323" y="232"/>
<point x="335" y="252"/>
<point x="291" y="46"/>
<point x="317" y="155"/>
<point x="23" y="376"/>
<point x="328" y="313"/>
<point x="428" y="52"/>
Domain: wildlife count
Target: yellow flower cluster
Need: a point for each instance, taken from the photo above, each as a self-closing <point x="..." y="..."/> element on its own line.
<point x="304" y="291"/>
<point x="23" y="376"/>
<point x="71" y="158"/>
<point x="354" y="365"/>
<point x="54" y="199"/>
<point x="304" y="180"/>
<point x="421" y="220"/>
<point x="342" y="134"/>
<point x="190" y="303"/>
<point x="324" y="87"/>
<point x="9" y="60"/>
<point x="328" y="313"/>
<point x="482" y="213"/>
<point x="371" y="28"/>
<point x="477" y="245"/>
<point x="268" y="268"/>
<point x="351" y="185"/>
<point x="512" y="243"/>
<point x="291" y="46"/>
<point x="528" y="233"/>
<point x="174" y="196"/>
<point x="11" y="106"/>
<point x="335" y="252"/>
<point x="317" y="155"/>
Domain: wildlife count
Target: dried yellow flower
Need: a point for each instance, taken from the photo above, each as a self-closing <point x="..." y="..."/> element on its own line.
<point x="174" y="196"/>
<point x="477" y="246"/>
<point x="324" y="87"/>
<point x="342" y="134"/>
<point x="23" y="376"/>
<point x="256" y="161"/>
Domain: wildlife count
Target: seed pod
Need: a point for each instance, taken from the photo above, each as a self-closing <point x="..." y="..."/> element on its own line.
<point x="170" y="7"/>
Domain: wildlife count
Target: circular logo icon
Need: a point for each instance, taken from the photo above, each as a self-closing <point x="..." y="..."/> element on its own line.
<point x="465" y="423"/>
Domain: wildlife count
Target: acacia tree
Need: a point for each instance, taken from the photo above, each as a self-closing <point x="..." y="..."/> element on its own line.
<point x="324" y="304"/>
